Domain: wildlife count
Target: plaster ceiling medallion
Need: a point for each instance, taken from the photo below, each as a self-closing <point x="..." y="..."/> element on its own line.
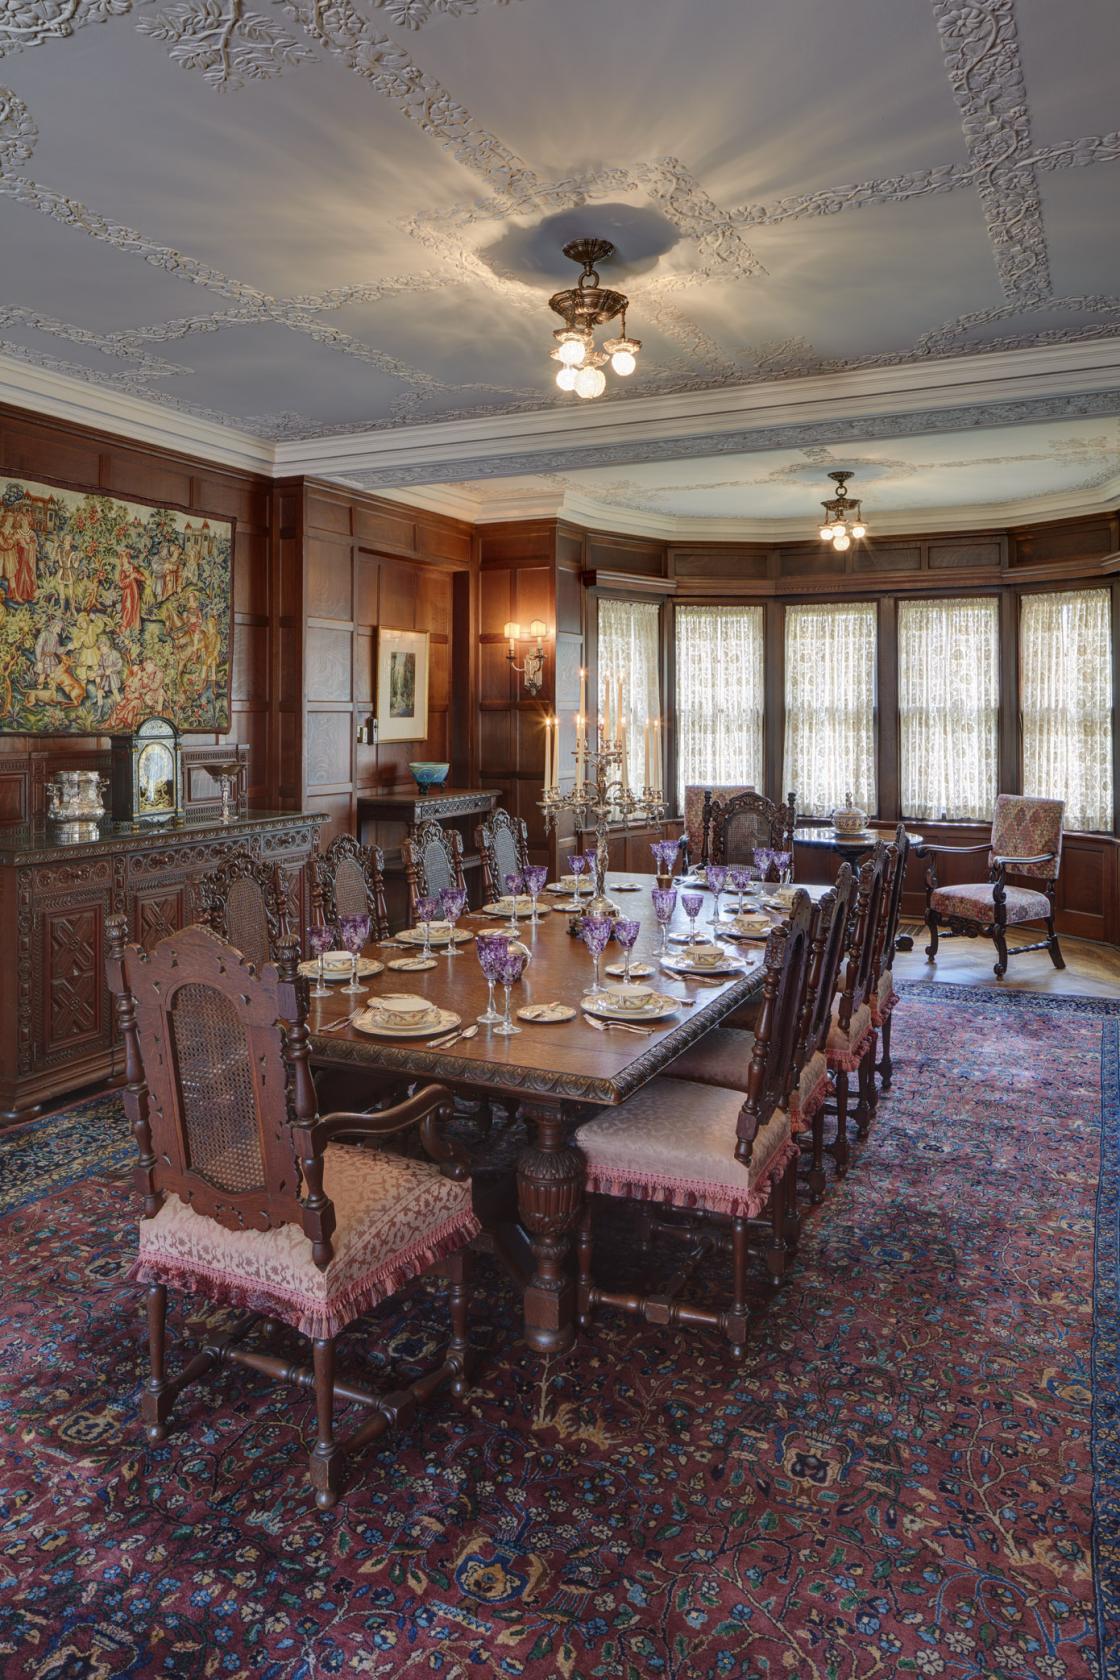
<point x="582" y="308"/>
<point x="843" y="515"/>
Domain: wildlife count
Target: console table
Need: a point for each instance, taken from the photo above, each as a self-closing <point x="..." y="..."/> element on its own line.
<point x="57" y="1029"/>
<point x="461" y="808"/>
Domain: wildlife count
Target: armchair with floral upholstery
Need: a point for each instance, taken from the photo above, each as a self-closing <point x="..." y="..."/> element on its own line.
<point x="1026" y="841"/>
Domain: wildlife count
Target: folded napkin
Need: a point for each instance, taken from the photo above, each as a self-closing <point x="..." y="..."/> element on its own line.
<point x="536" y="1011"/>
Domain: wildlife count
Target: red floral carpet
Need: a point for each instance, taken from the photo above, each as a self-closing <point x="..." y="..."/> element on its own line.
<point x="899" y="1479"/>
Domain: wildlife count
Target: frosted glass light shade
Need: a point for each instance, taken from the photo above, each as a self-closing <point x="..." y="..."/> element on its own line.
<point x="590" y="382"/>
<point x="841" y="543"/>
<point x="572" y="352"/>
<point x="566" y="378"/>
<point x="623" y="362"/>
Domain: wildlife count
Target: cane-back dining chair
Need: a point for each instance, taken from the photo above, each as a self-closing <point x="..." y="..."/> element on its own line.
<point x="244" y="901"/>
<point x="885" y="997"/>
<point x="709" y="1150"/>
<point x="850" y="1044"/>
<point x="723" y="1055"/>
<point x="433" y="860"/>
<point x="248" y="1201"/>
<point x="739" y="826"/>
<point x="503" y="844"/>
<point x="1026" y="841"/>
<point x="350" y="881"/>
<point x="697" y="807"/>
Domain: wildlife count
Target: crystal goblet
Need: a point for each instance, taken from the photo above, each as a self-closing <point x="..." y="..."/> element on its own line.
<point x="511" y="966"/>
<point x="320" y="940"/>
<point x="355" y="934"/>
<point x="427" y="909"/>
<point x="491" y="948"/>
<point x="595" y="931"/>
<point x="626" y="932"/>
<point x="535" y="877"/>
<point x="664" y="904"/>
<point x="453" y="901"/>
<point x="577" y="863"/>
<point x="717" y="880"/>
<point x="514" y="884"/>
<point x="691" y="903"/>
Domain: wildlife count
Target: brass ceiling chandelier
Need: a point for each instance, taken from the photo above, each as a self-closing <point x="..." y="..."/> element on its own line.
<point x="583" y="307"/>
<point x="843" y="515"/>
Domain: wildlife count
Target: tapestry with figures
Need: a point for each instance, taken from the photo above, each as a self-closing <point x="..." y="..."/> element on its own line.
<point x="111" y="611"/>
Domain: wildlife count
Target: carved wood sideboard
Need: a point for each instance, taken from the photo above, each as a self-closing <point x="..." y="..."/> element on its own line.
<point x="57" y="1030"/>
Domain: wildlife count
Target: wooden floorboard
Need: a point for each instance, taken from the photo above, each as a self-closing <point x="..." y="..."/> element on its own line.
<point x="1092" y="969"/>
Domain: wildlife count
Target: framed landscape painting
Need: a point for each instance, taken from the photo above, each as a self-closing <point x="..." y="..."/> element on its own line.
<point x="402" y="685"/>
<point x="111" y="611"/>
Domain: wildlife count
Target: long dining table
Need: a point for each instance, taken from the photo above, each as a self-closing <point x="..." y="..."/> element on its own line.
<point x="554" y="1074"/>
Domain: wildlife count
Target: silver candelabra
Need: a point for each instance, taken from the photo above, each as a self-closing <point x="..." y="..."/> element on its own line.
<point x="598" y="800"/>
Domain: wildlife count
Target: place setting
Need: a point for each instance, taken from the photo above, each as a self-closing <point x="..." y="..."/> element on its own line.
<point x="406" y="1015"/>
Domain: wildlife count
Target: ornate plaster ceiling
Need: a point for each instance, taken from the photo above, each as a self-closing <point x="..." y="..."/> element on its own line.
<point x="315" y="220"/>
<point x="987" y="476"/>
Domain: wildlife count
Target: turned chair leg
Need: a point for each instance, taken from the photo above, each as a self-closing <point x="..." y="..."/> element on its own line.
<point x="646" y="1212"/>
<point x="1000" y="938"/>
<point x="583" y="1268"/>
<point x="155" y="1403"/>
<point x="840" y="1148"/>
<point x="931" y="923"/>
<point x="735" y="1321"/>
<point x="1052" y="944"/>
<point x="776" y="1253"/>
<point x="793" y="1218"/>
<point x="457" y="1267"/>
<point x="326" y="1456"/>
<point x="816" y="1171"/>
<point x="886" y="1066"/>
<point x="865" y="1107"/>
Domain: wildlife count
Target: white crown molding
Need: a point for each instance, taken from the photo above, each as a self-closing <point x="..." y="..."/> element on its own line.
<point x="63" y="397"/>
<point x="926" y="387"/>
<point x="1055" y="371"/>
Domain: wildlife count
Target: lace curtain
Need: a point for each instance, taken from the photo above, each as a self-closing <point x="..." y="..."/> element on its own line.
<point x="948" y="707"/>
<point x="720" y="699"/>
<point x="630" y="648"/>
<point x="1065" y="699"/>
<point x="830" y="706"/>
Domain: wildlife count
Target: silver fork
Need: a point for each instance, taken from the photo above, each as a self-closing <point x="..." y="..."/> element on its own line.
<point x="337" y="1026"/>
<point x="620" y="1026"/>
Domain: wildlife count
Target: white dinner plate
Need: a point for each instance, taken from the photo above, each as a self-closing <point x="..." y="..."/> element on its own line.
<point x="687" y="939"/>
<point x="566" y="884"/>
<point x="366" y="967"/>
<point x="662" y="1006"/>
<point x="447" y="1022"/>
<point x="415" y="936"/>
<point x="638" y="970"/>
<point x="501" y="907"/>
<point x="413" y="965"/>
<point x="681" y="965"/>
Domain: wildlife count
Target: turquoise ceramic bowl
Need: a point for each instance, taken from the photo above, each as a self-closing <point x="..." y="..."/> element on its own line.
<point x="427" y="775"/>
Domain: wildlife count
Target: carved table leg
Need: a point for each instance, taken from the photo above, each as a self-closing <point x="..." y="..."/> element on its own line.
<point x="550" y="1201"/>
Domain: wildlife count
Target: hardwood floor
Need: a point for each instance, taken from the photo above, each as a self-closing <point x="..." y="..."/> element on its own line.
<point x="1092" y="969"/>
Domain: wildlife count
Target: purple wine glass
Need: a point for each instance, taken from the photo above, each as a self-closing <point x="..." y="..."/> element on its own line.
<point x="427" y="909"/>
<point x="717" y="881"/>
<point x="355" y="934"/>
<point x="664" y="905"/>
<point x="514" y="884"/>
<point x="764" y="858"/>
<point x="626" y="933"/>
<point x="577" y="863"/>
<point x="321" y="940"/>
<point x="595" y="931"/>
<point x="453" y="901"/>
<point x="511" y="966"/>
<point x="535" y="877"/>
<point x="491" y="948"/>
<point x="691" y="904"/>
<point x="783" y="862"/>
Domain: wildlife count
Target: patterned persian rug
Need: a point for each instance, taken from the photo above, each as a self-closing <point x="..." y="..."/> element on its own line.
<point x="915" y="1470"/>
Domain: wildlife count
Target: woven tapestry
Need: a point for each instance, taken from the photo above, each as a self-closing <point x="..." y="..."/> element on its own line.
<point x="111" y="611"/>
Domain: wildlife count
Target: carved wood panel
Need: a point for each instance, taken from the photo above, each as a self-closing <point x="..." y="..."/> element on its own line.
<point x="74" y="1012"/>
<point x="157" y="911"/>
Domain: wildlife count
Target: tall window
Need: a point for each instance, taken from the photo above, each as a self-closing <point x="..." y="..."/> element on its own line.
<point x="948" y="707"/>
<point x="629" y="648"/>
<point x="830" y="706"/>
<point x="720" y="699"/>
<point x="1065" y="697"/>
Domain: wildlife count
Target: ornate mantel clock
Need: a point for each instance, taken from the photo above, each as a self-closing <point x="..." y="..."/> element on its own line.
<point x="147" y="773"/>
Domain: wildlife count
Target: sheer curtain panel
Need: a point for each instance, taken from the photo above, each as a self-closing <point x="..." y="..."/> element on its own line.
<point x="830" y="706"/>
<point x="1065" y="699"/>
<point x="948" y="707"/>
<point x="630" y="648"/>
<point x="720" y="697"/>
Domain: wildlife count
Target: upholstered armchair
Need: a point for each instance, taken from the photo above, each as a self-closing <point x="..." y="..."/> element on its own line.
<point x="1026" y="841"/>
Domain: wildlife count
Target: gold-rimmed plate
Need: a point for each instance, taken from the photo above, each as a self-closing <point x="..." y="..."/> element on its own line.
<point x="367" y="966"/>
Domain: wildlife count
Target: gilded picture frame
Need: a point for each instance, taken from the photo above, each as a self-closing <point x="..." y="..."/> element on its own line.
<point x="402" y="685"/>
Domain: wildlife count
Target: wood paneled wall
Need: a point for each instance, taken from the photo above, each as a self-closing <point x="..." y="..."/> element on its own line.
<point x="365" y="563"/>
<point x="35" y="447"/>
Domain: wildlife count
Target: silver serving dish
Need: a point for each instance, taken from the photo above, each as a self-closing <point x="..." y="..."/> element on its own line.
<point x="76" y="796"/>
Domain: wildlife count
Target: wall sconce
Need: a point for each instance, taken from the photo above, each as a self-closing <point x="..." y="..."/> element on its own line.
<point x="533" y="668"/>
